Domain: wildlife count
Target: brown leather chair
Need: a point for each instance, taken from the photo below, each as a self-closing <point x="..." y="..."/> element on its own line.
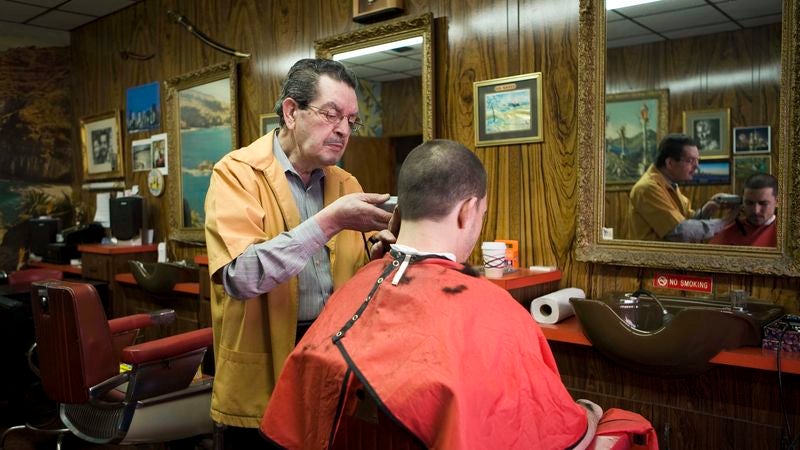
<point x="80" y="354"/>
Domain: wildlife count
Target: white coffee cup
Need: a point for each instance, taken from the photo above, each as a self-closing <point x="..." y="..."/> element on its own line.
<point x="494" y="259"/>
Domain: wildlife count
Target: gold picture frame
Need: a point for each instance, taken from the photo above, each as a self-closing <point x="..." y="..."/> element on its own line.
<point x="629" y="150"/>
<point x="101" y="146"/>
<point x="268" y="122"/>
<point x="202" y="128"/>
<point x="508" y="110"/>
<point x="711" y="130"/>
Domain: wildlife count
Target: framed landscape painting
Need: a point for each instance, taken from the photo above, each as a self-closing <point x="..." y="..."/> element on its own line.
<point x="745" y="166"/>
<point x="201" y="117"/>
<point x="508" y="110"/>
<point x="635" y="123"/>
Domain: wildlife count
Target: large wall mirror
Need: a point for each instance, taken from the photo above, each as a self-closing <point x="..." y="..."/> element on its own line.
<point x="394" y="65"/>
<point x="722" y="71"/>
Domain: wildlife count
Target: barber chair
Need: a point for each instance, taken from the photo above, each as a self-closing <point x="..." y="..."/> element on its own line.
<point x="80" y="353"/>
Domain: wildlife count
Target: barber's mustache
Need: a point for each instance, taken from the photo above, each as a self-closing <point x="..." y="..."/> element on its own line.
<point x="337" y="141"/>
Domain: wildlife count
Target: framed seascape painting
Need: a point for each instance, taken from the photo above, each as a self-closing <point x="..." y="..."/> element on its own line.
<point x="710" y="128"/>
<point x="635" y="123"/>
<point x="508" y="110"/>
<point x="750" y="140"/>
<point x="101" y="146"/>
<point x="201" y="128"/>
<point x="715" y="171"/>
<point x="268" y="122"/>
<point x="745" y="166"/>
<point x="143" y="108"/>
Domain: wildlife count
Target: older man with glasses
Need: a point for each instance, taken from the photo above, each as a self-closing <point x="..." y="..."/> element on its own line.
<point x="659" y="211"/>
<point x="284" y="228"/>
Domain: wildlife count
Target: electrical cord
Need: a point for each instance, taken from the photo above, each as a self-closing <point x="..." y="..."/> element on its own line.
<point x="786" y="434"/>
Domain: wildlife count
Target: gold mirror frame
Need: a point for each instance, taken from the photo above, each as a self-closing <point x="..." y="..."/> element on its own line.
<point x="388" y="32"/>
<point x="173" y="87"/>
<point x="785" y="260"/>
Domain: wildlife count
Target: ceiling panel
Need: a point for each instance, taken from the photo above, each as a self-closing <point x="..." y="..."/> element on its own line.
<point x="17" y="12"/>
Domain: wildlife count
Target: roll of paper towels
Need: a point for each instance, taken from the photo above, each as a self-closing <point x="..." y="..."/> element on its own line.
<point x="555" y="307"/>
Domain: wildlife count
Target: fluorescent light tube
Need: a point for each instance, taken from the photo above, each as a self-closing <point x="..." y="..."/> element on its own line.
<point x="619" y="4"/>
<point x="378" y="48"/>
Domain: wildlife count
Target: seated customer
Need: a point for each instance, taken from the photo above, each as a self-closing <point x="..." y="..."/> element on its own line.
<point x="757" y="225"/>
<point x="451" y="356"/>
<point x="659" y="211"/>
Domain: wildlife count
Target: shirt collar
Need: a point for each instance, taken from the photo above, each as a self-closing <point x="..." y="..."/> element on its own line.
<point x="286" y="165"/>
<point x="414" y="252"/>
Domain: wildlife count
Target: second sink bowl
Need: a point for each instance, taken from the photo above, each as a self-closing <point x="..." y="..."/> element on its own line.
<point x="679" y="343"/>
<point x="160" y="278"/>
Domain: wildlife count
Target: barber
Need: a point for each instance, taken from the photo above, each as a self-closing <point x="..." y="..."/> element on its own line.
<point x="284" y="228"/>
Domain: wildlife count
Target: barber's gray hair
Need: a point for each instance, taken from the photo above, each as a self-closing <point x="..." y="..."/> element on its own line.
<point x="303" y="78"/>
<point x="435" y="176"/>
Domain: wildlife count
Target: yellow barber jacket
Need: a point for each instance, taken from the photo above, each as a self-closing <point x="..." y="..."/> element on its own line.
<point x="249" y="201"/>
<point x="656" y="207"/>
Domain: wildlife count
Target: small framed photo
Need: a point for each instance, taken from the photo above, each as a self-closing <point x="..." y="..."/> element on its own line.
<point x="745" y="166"/>
<point x="160" y="152"/>
<point x="143" y="108"/>
<point x="372" y="10"/>
<point x="752" y="139"/>
<point x="142" y="155"/>
<point x="715" y="171"/>
<point x="508" y="110"/>
<point x="268" y="122"/>
<point x="710" y="128"/>
<point x="101" y="146"/>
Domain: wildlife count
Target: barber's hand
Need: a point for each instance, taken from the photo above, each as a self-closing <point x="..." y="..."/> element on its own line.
<point x="354" y="212"/>
<point x="384" y="238"/>
<point x="732" y="214"/>
<point x="709" y="209"/>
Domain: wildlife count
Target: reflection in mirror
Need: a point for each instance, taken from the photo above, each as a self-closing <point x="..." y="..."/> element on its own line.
<point x="721" y="72"/>
<point x="393" y="63"/>
<point x="716" y="69"/>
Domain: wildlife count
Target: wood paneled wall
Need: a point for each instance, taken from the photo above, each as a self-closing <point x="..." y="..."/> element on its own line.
<point x="532" y="187"/>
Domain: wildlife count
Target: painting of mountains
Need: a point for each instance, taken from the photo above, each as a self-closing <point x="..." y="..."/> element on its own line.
<point x="635" y="123"/>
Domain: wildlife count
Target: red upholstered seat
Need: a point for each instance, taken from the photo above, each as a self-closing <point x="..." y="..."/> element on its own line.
<point x="22" y="279"/>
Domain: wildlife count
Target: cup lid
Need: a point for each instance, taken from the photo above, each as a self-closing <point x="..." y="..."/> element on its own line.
<point x="493" y="246"/>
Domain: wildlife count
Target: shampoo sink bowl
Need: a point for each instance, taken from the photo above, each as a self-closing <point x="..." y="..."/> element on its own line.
<point x="679" y="339"/>
<point x="160" y="278"/>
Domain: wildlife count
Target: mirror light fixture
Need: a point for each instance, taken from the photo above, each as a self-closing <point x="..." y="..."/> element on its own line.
<point x="378" y="48"/>
<point x="619" y="4"/>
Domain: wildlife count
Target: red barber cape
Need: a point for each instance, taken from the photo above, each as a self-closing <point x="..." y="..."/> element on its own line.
<point x="453" y="358"/>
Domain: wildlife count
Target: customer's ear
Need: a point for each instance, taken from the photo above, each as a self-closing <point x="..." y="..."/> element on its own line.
<point x="467" y="210"/>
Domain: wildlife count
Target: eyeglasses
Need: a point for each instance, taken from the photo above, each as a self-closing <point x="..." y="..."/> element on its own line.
<point x="334" y="117"/>
<point x="690" y="161"/>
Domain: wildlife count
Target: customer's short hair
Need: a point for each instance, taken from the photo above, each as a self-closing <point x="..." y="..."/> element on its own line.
<point x="762" y="180"/>
<point x="672" y="147"/>
<point x="435" y="176"/>
<point x="303" y="79"/>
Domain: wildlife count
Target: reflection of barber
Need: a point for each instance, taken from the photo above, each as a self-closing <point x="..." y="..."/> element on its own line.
<point x="658" y="210"/>
<point x="757" y="225"/>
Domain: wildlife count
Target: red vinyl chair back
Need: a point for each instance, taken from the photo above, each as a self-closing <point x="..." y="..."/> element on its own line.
<point x="73" y="339"/>
<point x="22" y="279"/>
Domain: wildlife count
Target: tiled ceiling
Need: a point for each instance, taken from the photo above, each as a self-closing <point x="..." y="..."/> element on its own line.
<point x="395" y="64"/>
<point x="61" y="15"/>
<point x="676" y="19"/>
